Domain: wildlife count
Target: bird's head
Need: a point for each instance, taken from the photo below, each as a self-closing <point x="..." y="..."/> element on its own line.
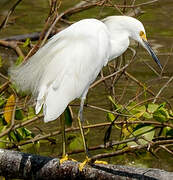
<point x="138" y="33"/>
<point x="133" y="28"/>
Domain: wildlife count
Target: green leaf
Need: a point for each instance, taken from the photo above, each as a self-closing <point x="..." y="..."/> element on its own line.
<point x="161" y="114"/>
<point x="136" y="116"/>
<point x="24" y="133"/>
<point x="28" y="133"/>
<point x="169" y="132"/>
<point x="3" y="144"/>
<point x="68" y="117"/>
<point x="152" y="107"/>
<point x="146" y="132"/>
<point x="162" y="104"/>
<point x="137" y="109"/>
<point x="147" y="115"/>
<point x="19" y="114"/>
<point x="117" y="107"/>
<point x="27" y="42"/>
<point x="110" y="117"/>
<point x="14" y="136"/>
<point x="119" y="146"/>
<point x="3" y="138"/>
<point x="19" y="60"/>
<point x="171" y="113"/>
<point x="20" y="134"/>
<point x="126" y="130"/>
<point x="132" y="108"/>
<point x="2" y="128"/>
<point x="140" y="108"/>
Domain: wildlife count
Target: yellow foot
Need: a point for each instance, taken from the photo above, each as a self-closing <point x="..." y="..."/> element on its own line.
<point x="100" y="162"/>
<point x="82" y="165"/>
<point x="66" y="158"/>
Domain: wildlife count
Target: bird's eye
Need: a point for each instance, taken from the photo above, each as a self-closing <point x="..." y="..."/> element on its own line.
<point x="141" y="33"/>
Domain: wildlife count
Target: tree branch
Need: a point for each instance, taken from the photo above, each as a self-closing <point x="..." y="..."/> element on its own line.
<point x="19" y="165"/>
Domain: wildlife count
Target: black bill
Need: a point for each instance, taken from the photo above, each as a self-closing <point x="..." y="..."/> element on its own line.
<point x="152" y="53"/>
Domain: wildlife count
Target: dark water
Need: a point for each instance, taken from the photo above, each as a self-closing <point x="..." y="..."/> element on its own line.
<point x="158" y="20"/>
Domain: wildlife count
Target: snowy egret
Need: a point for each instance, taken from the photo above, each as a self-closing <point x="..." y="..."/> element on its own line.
<point x="64" y="68"/>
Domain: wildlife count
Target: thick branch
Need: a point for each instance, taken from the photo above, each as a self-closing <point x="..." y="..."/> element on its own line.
<point x="15" y="164"/>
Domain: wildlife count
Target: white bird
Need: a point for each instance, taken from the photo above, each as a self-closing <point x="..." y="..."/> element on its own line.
<point x="65" y="67"/>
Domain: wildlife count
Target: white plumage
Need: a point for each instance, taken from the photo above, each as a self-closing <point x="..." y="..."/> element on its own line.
<point x="65" y="67"/>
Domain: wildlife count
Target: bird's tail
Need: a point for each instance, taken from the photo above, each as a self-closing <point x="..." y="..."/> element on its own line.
<point x="25" y="76"/>
<point x="28" y="75"/>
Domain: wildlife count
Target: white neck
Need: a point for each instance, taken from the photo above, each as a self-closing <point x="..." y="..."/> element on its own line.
<point x="119" y="44"/>
<point x="121" y="28"/>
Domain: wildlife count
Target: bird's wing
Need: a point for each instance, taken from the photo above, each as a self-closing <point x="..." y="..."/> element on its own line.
<point x="28" y="75"/>
<point x="65" y="67"/>
<point x="72" y="70"/>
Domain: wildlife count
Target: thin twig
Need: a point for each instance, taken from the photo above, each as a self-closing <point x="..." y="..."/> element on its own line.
<point x="166" y="149"/>
<point x="40" y="137"/>
<point x="13" y="45"/>
<point x="129" y="149"/>
<point x="4" y="22"/>
<point x="163" y="87"/>
<point x="139" y="83"/>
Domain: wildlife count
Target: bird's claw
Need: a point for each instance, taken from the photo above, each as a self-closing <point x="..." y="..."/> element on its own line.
<point x="87" y="161"/>
<point x="100" y="162"/>
<point x="82" y="165"/>
<point x="66" y="158"/>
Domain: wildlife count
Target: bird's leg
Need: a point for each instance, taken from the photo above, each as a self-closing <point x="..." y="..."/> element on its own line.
<point x="80" y="121"/>
<point x="64" y="155"/>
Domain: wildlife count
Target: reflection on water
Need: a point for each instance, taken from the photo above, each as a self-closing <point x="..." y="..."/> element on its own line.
<point x="30" y="17"/>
